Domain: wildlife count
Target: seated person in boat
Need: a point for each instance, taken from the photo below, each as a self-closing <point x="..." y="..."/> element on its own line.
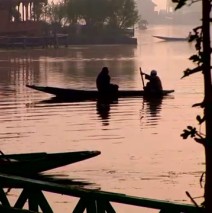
<point x="103" y="82"/>
<point x="154" y="85"/>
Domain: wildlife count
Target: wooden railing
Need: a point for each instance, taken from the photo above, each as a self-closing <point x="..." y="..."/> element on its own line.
<point x="93" y="201"/>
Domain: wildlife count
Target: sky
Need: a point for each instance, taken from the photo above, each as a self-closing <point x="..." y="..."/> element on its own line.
<point x="161" y="4"/>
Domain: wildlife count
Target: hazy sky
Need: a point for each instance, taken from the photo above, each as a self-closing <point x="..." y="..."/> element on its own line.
<point x="161" y="4"/>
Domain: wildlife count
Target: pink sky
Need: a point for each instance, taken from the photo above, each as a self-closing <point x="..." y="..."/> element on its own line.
<point x="161" y="4"/>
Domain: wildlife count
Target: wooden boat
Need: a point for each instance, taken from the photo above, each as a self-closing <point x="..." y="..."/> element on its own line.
<point x="172" y="38"/>
<point x="64" y="93"/>
<point x="33" y="163"/>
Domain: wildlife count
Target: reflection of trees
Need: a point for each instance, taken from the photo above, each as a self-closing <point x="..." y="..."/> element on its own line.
<point x="78" y="64"/>
<point x="19" y="67"/>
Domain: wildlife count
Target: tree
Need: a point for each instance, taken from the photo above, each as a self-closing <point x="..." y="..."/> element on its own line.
<point x="99" y="17"/>
<point x="93" y="12"/>
<point x="201" y="35"/>
<point x="55" y="13"/>
<point x="102" y="14"/>
<point x="123" y="14"/>
<point x="38" y="10"/>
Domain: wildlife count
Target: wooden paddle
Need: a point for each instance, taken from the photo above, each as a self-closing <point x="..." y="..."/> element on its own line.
<point x="142" y="78"/>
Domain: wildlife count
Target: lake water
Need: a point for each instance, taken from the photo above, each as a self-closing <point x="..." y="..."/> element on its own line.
<point x="142" y="153"/>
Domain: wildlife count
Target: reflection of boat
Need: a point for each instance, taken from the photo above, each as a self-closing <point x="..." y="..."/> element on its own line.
<point x="58" y="100"/>
<point x="32" y="163"/>
<point x="165" y="38"/>
<point x="64" y="93"/>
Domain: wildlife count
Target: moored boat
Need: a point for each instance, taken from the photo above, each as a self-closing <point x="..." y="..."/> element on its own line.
<point x="165" y="38"/>
<point x="33" y="163"/>
<point x="65" y="93"/>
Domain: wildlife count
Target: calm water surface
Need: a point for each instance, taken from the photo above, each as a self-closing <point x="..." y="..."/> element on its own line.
<point x="142" y="153"/>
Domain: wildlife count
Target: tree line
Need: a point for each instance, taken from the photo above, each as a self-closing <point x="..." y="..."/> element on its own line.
<point x="93" y="16"/>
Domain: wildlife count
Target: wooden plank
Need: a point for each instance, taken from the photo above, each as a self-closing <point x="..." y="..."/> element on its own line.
<point x="15" y="181"/>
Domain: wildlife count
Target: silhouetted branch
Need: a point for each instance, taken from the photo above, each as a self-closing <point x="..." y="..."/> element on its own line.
<point x="188" y="71"/>
<point x="202" y="104"/>
<point x="192" y="200"/>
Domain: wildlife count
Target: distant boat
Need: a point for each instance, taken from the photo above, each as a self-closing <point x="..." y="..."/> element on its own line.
<point x="165" y="38"/>
<point x="142" y="24"/>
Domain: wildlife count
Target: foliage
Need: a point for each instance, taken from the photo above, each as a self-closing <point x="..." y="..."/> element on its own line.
<point x="198" y="59"/>
<point x="93" y="12"/>
<point x="38" y="10"/>
<point x="122" y="14"/>
<point x="55" y="13"/>
<point x="202" y="59"/>
<point x="99" y="15"/>
<point x="15" y="14"/>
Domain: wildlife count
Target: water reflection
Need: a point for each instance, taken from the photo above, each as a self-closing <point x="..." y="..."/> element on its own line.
<point x="150" y="111"/>
<point x="153" y="106"/>
<point x="58" y="100"/>
<point x="103" y="110"/>
<point x="62" y="66"/>
<point x="102" y="106"/>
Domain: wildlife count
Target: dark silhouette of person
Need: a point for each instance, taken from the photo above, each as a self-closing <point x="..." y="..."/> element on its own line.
<point x="103" y="83"/>
<point x="154" y="85"/>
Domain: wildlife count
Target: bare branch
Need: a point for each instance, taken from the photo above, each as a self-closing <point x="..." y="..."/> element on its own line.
<point x="188" y="71"/>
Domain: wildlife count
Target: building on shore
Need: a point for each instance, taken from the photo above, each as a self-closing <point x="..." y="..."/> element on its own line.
<point x="188" y="15"/>
<point x="21" y="26"/>
<point x="20" y="17"/>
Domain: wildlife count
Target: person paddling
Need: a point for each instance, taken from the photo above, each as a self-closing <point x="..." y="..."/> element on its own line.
<point x="103" y="82"/>
<point x="154" y="85"/>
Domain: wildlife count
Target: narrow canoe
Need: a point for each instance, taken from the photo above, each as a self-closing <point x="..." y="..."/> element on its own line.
<point x="165" y="38"/>
<point x="33" y="163"/>
<point x="64" y="93"/>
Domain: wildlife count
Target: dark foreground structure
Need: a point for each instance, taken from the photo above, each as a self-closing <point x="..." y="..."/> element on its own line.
<point x="91" y="201"/>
